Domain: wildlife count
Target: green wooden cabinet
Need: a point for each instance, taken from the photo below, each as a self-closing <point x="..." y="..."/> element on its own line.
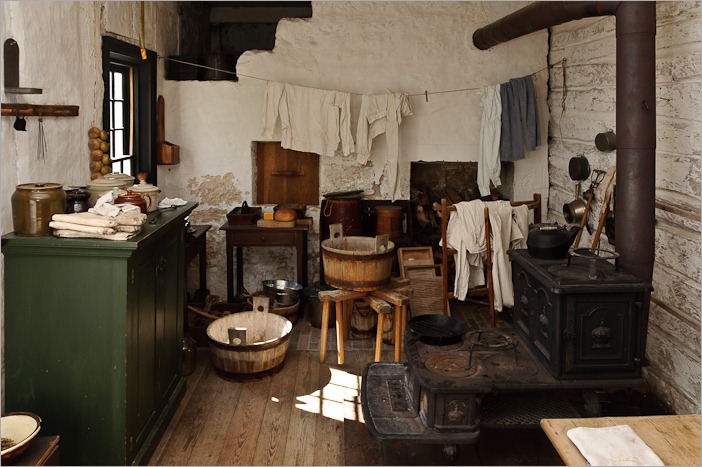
<point x="93" y="338"/>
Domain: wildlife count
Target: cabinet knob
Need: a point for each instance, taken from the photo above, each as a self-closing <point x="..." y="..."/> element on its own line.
<point x="263" y="238"/>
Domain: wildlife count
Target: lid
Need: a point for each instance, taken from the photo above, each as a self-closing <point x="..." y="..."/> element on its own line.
<point x="355" y="194"/>
<point x="144" y="187"/>
<point x="107" y="181"/>
<point x="121" y="176"/>
<point x="40" y="186"/>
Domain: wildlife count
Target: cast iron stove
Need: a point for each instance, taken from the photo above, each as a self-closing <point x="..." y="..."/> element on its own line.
<point x="442" y="394"/>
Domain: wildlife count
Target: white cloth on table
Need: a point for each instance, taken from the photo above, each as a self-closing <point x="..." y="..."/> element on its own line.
<point x="311" y="120"/>
<point x="81" y="228"/>
<point x="612" y="445"/>
<point x="382" y="113"/>
<point x="75" y="234"/>
<point x="170" y="202"/>
<point x="105" y="207"/>
<point x="489" y="149"/>
<point x="85" y="218"/>
<point x="131" y="218"/>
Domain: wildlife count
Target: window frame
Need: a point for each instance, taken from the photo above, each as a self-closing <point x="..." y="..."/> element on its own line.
<point x="145" y="93"/>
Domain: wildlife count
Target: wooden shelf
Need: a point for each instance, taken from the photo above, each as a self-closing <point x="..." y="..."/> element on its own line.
<point x="32" y="110"/>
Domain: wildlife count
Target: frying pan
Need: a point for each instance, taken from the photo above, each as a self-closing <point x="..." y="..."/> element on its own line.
<point x="436" y="329"/>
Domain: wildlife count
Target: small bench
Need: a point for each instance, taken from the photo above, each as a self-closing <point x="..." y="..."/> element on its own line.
<point x="394" y="298"/>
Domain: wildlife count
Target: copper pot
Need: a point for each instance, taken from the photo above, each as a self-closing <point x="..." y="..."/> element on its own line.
<point x="134" y="198"/>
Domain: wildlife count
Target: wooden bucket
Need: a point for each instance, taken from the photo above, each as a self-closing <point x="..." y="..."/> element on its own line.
<point x="346" y="212"/>
<point x="389" y="221"/>
<point x="262" y="353"/>
<point x="357" y="263"/>
<point x="289" y="312"/>
<point x="363" y="321"/>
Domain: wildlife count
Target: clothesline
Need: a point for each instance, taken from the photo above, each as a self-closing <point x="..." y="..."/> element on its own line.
<point x="425" y="93"/>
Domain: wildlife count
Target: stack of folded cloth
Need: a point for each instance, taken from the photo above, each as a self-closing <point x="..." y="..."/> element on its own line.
<point x="123" y="226"/>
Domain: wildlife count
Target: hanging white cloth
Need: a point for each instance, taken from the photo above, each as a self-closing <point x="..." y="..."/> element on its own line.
<point x="465" y="233"/>
<point x="501" y="228"/>
<point x="311" y="120"/>
<point x="489" y="149"/>
<point x="520" y="226"/>
<point x="379" y="114"/>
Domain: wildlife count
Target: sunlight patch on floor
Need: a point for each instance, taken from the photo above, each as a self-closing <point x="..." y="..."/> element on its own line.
<point x="330" y="401"/>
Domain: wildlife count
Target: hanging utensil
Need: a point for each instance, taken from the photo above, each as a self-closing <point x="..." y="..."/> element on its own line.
<point x="20" y="123"/>
<point x="41" y="140"/>
<point x="597" y="176"/>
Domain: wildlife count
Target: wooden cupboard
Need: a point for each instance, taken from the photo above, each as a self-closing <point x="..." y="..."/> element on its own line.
<point x="93" y="338"/>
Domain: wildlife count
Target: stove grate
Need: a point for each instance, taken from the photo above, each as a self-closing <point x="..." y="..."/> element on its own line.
<point x="524" y="409"/>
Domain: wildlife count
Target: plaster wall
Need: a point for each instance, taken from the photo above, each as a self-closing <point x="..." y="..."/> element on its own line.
<point x="361" y="48"/>
<point x="589" y="95"/>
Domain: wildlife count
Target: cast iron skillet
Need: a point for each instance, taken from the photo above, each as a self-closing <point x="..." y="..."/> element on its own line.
<point x="436" y="329"/>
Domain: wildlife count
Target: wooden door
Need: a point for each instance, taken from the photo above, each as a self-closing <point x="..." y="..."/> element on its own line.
<point x="286" y="176"/>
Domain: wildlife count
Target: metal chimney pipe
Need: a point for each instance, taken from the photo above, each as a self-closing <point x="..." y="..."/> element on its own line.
<point x="636" y="110"/>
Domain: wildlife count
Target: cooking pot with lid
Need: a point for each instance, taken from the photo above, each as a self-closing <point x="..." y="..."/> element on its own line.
<point x="549" y="241"/>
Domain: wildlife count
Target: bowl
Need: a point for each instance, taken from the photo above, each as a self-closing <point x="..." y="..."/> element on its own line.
<point x="17" y="429"/>
<point x="282" y="292"/>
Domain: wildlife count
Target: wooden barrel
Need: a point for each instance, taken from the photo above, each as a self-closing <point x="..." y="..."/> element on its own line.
<point x="363" y="321"/>
<point x="262" y="353"/>
<point x="353" y="264"/>
<point x="346" y="212"/>
<point x="389" y="221"/>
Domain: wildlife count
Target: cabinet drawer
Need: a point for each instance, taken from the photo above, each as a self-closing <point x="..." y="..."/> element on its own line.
<point x="265" y="237"/>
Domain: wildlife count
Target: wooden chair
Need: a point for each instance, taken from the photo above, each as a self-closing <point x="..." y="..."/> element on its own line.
<point x="533" y="204"/>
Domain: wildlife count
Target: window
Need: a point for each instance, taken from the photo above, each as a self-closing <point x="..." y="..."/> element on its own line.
<point x="129" y="107"/>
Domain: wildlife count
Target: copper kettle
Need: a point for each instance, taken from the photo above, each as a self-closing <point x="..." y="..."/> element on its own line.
<point x="143" y="202"/>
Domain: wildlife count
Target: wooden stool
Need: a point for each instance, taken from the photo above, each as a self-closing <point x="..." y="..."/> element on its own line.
<point x="397" y="294"/>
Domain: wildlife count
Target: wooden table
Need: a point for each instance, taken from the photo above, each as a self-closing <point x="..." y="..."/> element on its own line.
<point x="674" y="438"/>
<point x="239" y="236"/>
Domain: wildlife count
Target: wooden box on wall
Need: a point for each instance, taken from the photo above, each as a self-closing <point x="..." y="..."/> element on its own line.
<point x="285" y="176"/>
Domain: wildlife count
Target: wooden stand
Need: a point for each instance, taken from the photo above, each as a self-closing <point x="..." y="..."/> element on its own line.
<point x="394" y="298"/>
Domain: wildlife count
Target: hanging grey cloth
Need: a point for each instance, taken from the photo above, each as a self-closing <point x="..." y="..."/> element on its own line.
<point x="520" y="119"/>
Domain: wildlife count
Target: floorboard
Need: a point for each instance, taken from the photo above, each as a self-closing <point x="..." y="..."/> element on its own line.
<point x="310" y="414"/>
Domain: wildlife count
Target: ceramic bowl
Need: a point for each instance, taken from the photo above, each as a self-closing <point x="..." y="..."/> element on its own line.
<point x="17" y="430"/>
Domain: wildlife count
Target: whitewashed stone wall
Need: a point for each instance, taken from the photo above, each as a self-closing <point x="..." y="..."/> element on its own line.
<point x="362" y="48"/>
<point x="589" y="47"/>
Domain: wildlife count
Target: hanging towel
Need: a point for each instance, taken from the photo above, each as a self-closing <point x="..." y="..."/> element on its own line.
<point x="520" y="119"/>
<point x="520" y="226"/>
<point x="311" y="120"/>
<point x="501" y="228"/>
<point x="490" y="129"/>
<point x="379" y="114"/>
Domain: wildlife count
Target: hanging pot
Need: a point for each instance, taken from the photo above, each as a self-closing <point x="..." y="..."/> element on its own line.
<point x="436" y="329"/>
<point x="579" y="168"/>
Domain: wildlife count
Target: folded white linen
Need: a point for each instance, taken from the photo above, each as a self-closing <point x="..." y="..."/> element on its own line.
<point x="612" y="445"/>
<point x="170" y="202"/>
<point x="75" y="234"/>
<point x="105" y="207"/>
<point x="128" y="228"/>
<point x="131" y="218"/>
<point x="81" y="228"/>
<point x="85" y="218"/>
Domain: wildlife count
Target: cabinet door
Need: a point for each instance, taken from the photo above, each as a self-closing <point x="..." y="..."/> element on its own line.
<point x="141" y="373"/>
<point x="169" y="305"/>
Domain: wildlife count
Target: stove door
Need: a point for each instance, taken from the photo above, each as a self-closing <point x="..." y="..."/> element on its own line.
<point x="602" y="334"/>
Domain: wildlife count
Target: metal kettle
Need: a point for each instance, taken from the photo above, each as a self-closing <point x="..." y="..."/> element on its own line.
<point x="550" y="241"/>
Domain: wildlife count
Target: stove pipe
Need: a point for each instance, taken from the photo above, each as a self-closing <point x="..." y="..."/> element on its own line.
<point x="636" y="110"/>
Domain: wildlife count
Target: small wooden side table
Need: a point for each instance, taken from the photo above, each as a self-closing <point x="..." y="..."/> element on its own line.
<point x="43" y="450"/>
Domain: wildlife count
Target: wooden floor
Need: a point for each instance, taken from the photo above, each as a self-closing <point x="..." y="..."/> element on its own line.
<point x="310" y="414"/>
